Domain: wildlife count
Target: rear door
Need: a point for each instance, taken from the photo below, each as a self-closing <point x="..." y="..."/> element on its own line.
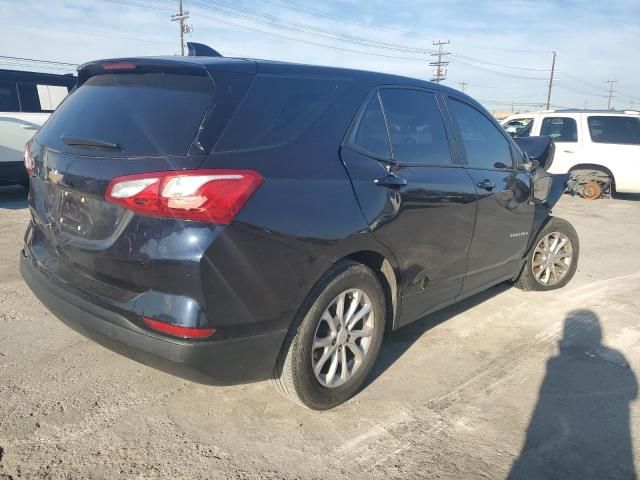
<point x="505" y="215"/>
<point x="614" y="141"/>
<point x="417" y="199"/>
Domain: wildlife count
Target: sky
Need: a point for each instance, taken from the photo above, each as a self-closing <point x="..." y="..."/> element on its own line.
<point x="501" y="49"/>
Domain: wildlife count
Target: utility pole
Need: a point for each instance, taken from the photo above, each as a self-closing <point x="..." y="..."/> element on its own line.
<point x="180" y="17"/>
<point x="440" y="70"/>
<point x="553" y="68"/>
<point x="463" y="86"/>
<point x="611" y="90"/>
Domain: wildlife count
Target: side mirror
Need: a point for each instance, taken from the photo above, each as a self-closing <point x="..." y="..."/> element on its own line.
<point x="527" y="164"/>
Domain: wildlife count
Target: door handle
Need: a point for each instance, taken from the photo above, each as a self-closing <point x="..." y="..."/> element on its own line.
<point x="487" y="185"/>
<point x="568" y="151"/>
<point x="391" y="181"/>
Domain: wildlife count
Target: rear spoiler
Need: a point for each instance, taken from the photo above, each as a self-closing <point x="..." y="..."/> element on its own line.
<point x="139" y="65"/>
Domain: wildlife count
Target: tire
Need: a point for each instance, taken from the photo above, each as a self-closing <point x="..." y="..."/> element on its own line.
<point x="294" y="374"/>
<point x="533" y="273"/>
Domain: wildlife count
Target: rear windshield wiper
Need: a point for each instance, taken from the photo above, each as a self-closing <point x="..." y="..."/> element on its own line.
<point x="88" y="142"/>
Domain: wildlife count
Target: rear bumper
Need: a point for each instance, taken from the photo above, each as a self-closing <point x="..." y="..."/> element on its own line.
<point x="223" y="362"/>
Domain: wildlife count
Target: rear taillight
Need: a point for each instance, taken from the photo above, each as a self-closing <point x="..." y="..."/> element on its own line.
<point x="28" y="160"/>
<point x="214" y="196"/>
<point x="177" y="330"/>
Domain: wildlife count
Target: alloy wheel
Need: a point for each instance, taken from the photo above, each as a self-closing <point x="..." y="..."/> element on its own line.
<point x="552" y="258"/>
<point x="343" y="338"/>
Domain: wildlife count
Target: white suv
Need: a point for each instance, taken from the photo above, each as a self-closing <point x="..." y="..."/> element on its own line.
<point x="601" y="147"/>
<point x="26" y="101"/>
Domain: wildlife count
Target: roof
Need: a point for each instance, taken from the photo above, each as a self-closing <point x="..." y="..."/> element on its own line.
<point x="276" y="68"/>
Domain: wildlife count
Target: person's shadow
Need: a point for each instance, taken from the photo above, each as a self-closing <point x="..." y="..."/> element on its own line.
<point x="580" y="427"/>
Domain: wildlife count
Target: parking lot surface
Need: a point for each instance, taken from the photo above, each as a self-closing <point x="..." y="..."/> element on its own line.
<point x="531" y="385"/>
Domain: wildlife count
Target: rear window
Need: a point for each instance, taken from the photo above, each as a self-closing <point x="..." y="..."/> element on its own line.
<point x="144" y="114"/>
<point x="278" y="109"/>
<point x="615" y="129"/>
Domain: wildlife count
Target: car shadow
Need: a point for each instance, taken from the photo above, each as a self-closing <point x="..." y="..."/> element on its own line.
<point x="580" y="427"/>
<point x="399" y="341"/>
<point x="13" y="197"/>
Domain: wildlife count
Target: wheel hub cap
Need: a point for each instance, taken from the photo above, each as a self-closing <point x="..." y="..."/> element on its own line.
<point x="552" y="258"/>
<point x="343" y="338"/>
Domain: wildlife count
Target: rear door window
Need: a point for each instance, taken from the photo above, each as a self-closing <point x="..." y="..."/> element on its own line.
<point x="144" y="114"/>
<point x="371" y="135"/>
<point x="485" y="145"/>
<point x="561" y="129"/>
<point x="277" y="109"/>
<point x="416" y="127"/>
<point x="611" y="129"/>
<point x="9" y="97"/>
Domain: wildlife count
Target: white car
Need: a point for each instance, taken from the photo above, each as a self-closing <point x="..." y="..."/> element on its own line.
<point x="26" y="101"/>
<point x="602" y="148"/>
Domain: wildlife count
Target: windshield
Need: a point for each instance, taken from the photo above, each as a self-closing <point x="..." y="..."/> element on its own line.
<point x="143" y="114"/>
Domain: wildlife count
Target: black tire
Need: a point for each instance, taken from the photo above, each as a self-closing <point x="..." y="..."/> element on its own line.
<point x="527" y="279"/>
<point x="293" y="374"/>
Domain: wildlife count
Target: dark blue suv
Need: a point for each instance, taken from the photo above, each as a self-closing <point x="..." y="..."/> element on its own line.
<point x="234" y="220"/>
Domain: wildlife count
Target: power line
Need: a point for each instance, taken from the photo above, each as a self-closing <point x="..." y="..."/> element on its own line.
<point x="440" y="72"/>
<point x="262" y="18"/>
<point x="457" y="55"/>
<point x="506" y="74"/>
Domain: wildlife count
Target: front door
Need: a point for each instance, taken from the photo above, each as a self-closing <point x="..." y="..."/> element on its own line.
<point x="505" y="213"/>
<point x="416" y="199"/>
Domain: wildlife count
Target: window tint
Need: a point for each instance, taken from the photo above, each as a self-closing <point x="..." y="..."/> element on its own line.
<point x="416" y="127"/>
<point x="145" y="114"/>
<point x="562" y="129"/>
<point x="371" y="134"/>
<point x="484" y="144"/>
<point x="9" y="97"/>
<point x="277" y="109"/>
<point x="615" y="129"/>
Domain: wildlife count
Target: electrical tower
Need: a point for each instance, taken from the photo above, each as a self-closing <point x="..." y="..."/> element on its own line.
<point x="553" y="69"/>
<point x="463" y="86"/>
<point x="440" y="70"/>
<point x="180" y="17"/>
<point x="611" y="91"/>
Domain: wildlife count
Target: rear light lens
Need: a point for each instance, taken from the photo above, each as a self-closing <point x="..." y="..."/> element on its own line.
<point x="214" y="196"/>
<point x="177" y="330"/>
<point x="118" y="66"/>
<point x="28" y="160"/>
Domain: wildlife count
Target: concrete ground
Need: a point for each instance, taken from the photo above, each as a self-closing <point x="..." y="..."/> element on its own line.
<point x="536" y="385"/>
